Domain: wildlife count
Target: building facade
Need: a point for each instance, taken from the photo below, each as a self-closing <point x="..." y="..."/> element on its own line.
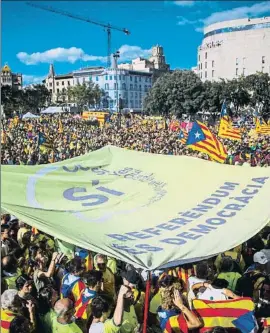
<point x="129" y="85"/>
<point x="58" y="85"/>
<point x="14" y="80"/>
<point x="130" y="81"/>
<point x="233" y="48"/>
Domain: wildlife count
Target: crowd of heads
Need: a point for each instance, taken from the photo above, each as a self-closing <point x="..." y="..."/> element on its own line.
<point x="70" y="137"/>
<point x="51" y="286"/>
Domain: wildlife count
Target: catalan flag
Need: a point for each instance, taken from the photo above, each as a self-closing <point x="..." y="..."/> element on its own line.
<point x="86" y="255"/>
<point x="225" y="313"/>
<point x="183" y="135"/>
<point x="262" y="127"/>
<point x="44" y="141"/>
<point x="227" y="131"/>
<point x="200" y="138"/>
<point x="83" y="301"/>
<point x="184" y="273"/>
<point x="176" y="324"/>
<point x="60" y="127"/>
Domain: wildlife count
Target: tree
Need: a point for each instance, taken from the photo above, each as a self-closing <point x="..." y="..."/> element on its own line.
<point x="85" y="95"/>
<point x="177" y="93"/>
<point x="27" y="99"/>
<point x="214" y="95"/>
<point x="259" y="87"/>
<point x="237" y="93"/>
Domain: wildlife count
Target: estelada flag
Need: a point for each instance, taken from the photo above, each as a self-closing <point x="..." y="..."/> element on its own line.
<point x="222" y="313"/>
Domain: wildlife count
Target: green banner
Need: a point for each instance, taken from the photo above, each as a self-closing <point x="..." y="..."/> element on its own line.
<point x="146" y="209"/>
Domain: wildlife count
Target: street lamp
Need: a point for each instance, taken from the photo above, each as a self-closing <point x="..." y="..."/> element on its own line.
<point x="116" y="55"/>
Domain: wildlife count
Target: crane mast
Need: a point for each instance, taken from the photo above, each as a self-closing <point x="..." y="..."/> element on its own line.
<point x="108" y="27"/>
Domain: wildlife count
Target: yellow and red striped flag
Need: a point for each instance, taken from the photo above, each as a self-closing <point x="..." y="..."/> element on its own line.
<point x="227" y="131"/>
<point x="262" y="128"/>
<point x="183" y="135"/>
<point x="176" y="324"/>
<point x="222" y="313"/>
<point x="200" y="138"/>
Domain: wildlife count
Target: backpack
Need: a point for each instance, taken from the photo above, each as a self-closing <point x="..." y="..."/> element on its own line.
<point x="245" y="284"/>
<point x="236" y="262"/>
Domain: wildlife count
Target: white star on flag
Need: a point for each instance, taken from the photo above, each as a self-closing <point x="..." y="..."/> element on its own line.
<point x="197" y="135"/>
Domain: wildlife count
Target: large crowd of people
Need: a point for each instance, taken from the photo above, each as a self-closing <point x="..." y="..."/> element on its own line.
<point x="72" y="137"/>
<point x="49" y="286"/>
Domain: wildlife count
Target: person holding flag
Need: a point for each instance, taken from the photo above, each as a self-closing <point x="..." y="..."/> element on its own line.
<point x="226" y="129"/>
<point x="200" y="138"/>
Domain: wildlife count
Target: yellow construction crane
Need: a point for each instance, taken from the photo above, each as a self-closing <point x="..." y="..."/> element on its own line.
<point x="108" y="27"/>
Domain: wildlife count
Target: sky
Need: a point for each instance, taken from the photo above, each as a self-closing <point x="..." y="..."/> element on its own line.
<point x="33" y="38"/>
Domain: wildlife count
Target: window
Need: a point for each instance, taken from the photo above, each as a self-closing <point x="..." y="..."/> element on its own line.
<point x="146" y="79"/>
<point x="110" y="77"/>
<point x="57" y="83"/>
<point x="201" y="65"/>
<point x="140" y="87"/>
<point x="106" y="77"/>
<point x="50" y="84"/>
<point x="83" y="80"/>
<point x="136" y="103"/>
<point x="244" y="71"/>
<point x="116" y="86"/>
<point x="199" y="58"/>
<point x="131" y="87"/>
<point x="57" y="90"/>
<point x="77" y="81"/>
<point x="145" y="88"/>
<point x="213" y="73"/>
<point x="115" y="94"/>
<point x="263" y="59"/>
<point x="119" y="77"/>
<point x="131" y="94"/>
<point x="201" y="75"/>
<point x="140" y="96"/>
<point x="124" y="86"/>
<point x="51" y="91"/>
<point x="205" y="65"/>
<point x="205" y="55"/>
<point x="136" y="95"/>
<point x="106" y="86"/>
<point x="131" y="103"/>
<point x="96" y="78"/>
<point x="205" y="74"/>
<point x="131" y="78"/>
<point x="236" y="71"/>
<point x="69" y="81"/>
<point x="135" y="87"/>
<point x="213" y="63"/>
<point x="140" y="79"/>
<point x="237" y="61"/>
<point x="115" y="77"/>
<point x="63" y="83"/>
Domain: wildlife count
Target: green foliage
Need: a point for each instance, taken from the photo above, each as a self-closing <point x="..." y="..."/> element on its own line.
<point x="183" y="92"/>
<point x="83" y="95"/>
<point x="177" y="92"/>
<point x="28" y="99"/>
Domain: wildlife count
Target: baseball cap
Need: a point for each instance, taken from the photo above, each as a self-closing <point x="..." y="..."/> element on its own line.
<point x="260" y="258"/>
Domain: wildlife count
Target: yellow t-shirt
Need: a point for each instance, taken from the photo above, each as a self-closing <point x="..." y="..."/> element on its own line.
<point x="155" y="303"/>
<point x="112" y="265"/>
<point x="61" y="328"/>
<point x="107" y="327"/>
<point x="108" y="283"/>
<point x="231" y="254"/>
<point x="130" y="321"/>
